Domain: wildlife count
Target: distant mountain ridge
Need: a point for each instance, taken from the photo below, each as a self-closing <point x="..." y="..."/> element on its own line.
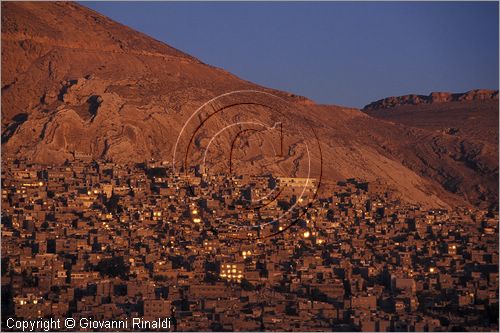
<point x="434" y="97"/>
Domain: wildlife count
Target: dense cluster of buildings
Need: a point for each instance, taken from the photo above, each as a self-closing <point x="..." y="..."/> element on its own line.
<point x="97" y="240"/>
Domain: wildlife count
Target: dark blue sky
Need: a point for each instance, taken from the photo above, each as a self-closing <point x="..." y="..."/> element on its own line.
<point x="333" y="52"/>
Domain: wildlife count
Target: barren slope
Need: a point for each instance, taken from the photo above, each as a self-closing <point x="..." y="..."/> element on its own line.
<point x="75" y="82"/>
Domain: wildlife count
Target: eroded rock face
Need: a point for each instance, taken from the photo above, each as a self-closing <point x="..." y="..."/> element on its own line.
<point x="75" y="83"/>
<point x="435" y="97"/>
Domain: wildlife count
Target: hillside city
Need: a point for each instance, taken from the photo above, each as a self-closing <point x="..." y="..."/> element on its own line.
<point x="95" y="239"/>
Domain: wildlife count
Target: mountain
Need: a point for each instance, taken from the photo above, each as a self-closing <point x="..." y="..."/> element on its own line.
<point x="75" y="83"/>
<point x="470" y="118"/>
<point x="434" y="98"/>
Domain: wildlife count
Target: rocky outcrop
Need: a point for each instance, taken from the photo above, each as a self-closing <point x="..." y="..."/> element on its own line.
<point x="435" y="97"/>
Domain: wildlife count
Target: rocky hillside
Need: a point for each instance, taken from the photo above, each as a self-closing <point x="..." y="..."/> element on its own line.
<point x="75" y="83"/>
<point x="471" y="119"/>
